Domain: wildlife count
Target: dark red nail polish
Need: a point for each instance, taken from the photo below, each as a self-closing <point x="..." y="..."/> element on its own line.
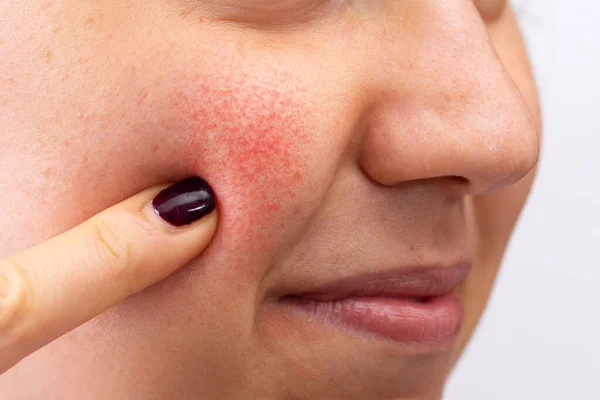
<point x="185" y="202"/>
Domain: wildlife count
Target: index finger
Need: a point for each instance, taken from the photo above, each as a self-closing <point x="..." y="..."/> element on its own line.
<point x="59" y="284"/>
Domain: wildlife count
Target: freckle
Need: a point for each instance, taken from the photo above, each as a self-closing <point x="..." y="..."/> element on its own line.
<point x="48" y="55"/>
<point x="412" y="247"/>
<point x="72" y="336"/>
<point x="47" y="172"/>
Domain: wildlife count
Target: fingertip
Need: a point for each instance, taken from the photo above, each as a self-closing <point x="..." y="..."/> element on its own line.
<point x="182" y="205"/>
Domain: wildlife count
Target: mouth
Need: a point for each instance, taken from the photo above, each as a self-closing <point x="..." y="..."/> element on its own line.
<point x="413" y="307"/>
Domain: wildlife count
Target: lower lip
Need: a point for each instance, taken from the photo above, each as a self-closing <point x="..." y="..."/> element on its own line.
<point x="434" y="322"/>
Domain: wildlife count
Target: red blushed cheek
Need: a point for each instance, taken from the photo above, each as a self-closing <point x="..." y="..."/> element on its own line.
<point x="248" y="138"/>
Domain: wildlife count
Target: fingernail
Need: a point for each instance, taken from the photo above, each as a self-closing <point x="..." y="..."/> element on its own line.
<point x="185" y="202"/>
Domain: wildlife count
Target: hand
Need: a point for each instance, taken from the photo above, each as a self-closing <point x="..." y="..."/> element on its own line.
<point x="54" y="287"/>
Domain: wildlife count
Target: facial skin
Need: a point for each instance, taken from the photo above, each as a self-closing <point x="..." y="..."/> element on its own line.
<point x="339" y="136"/>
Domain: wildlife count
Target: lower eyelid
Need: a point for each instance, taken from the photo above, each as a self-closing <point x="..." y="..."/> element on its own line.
<point x="264" y="13"/>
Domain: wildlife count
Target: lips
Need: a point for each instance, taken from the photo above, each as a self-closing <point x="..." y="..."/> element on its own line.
<point x="420" y="282"/>
<point x="414" y="306"/>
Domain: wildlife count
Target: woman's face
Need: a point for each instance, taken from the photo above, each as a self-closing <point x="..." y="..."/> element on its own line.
<point x="344" y="140"/>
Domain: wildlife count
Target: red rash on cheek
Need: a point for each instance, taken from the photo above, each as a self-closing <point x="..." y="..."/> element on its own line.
<point x="248" y="139"/>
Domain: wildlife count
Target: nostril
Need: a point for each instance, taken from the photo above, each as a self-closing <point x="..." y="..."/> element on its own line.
<point x="459" y="180"/>
<point x="455" y="185"/>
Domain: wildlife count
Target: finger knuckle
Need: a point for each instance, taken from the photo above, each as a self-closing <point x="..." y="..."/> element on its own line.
<point x="15" y="295"/>
<point x="114" y="250"/>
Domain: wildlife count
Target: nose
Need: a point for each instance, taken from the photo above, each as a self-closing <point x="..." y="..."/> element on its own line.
<point x="443" y="104"/>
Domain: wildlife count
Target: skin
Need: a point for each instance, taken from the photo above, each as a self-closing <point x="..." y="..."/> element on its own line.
<point x="340" y="137"/>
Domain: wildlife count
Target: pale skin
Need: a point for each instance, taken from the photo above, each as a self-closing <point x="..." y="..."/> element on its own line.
<point x="337" y="136"/>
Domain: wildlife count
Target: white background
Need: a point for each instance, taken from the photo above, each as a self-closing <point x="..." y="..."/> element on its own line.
<point x="540" y="337"/>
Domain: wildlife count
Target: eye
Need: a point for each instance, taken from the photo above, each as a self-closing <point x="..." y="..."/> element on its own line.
<point x="267" y="12"/>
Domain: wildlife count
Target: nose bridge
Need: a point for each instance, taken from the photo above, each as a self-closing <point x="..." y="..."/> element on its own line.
<point x="445" y="106"/>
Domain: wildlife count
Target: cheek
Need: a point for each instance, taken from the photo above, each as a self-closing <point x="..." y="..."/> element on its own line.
<point x="248" y="138"/>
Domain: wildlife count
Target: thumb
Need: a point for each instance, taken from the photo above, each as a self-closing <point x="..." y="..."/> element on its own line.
<point x="59" y="284"/>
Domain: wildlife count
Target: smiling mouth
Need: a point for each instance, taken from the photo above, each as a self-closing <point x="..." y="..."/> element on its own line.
<point x="410" y="307"/>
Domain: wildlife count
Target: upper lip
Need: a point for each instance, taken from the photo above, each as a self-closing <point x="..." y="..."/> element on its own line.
<point x="417" y="282"/>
